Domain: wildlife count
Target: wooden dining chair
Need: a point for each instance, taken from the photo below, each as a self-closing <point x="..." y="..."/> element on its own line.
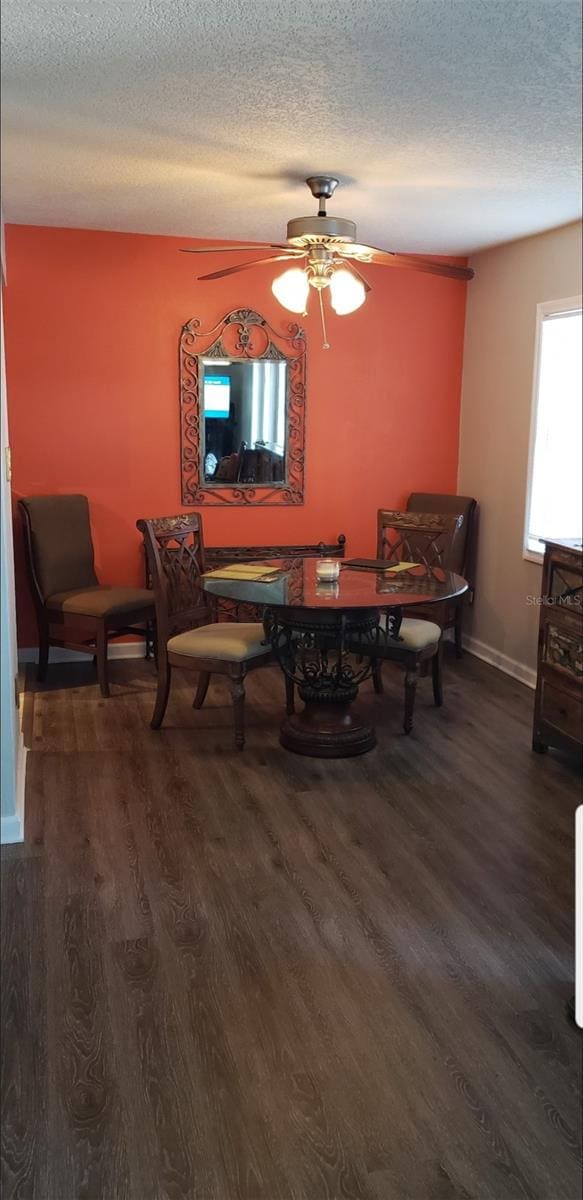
<point x="187" y="635"/>
<point x="73" y="610"/>
<point x="462" y="554"/>
<point x="423" y="538"/>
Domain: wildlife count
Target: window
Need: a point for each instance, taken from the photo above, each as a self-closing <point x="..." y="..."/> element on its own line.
<point x="554" y="494"/>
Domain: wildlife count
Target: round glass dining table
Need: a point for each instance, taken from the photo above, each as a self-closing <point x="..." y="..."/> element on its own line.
<point x="326" y="637"/>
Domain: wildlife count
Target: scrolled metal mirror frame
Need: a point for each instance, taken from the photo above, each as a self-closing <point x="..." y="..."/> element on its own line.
<point x="254" y="339"/>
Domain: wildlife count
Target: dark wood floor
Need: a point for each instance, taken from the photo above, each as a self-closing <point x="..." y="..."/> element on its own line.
<point x="254" y="975"/>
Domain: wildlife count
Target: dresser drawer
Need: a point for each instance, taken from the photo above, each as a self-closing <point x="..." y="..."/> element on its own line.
<point x="563" y="649"/>
<point x="566" y="582"/>
<point x="563" y="711"/>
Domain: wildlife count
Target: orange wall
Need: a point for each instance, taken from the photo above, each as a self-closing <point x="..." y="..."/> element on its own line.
<point x="92" y="325"/>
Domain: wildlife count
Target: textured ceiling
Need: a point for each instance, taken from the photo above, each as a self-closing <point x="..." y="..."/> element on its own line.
<point x="453" y="123"/>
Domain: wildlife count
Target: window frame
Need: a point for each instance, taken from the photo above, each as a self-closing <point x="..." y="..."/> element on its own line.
<point x="547" y="308"/>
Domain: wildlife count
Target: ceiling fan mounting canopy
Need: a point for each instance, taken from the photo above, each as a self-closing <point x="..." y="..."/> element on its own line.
<point x="322" y="187"/>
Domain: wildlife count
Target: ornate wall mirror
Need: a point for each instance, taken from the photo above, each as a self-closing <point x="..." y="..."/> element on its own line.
<point x="242" y="412"/>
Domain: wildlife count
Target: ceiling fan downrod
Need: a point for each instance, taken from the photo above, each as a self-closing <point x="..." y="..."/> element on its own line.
<point x="322" y="188"/>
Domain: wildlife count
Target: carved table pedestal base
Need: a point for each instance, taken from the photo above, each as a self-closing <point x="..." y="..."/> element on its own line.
<point x="327" y="731"/>
<point x="327" y="654"/>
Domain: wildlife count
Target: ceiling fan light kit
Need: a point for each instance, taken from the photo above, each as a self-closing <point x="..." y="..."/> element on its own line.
<point x="327" y="248"/>
<point x="347" y="293"/>
<point x="291" y="289"/>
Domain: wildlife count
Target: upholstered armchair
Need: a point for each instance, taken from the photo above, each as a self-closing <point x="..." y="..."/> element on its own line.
<point x="73" y="609"/>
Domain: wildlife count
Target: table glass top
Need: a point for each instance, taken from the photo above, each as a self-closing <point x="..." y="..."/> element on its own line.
<point x="297" y="586"/>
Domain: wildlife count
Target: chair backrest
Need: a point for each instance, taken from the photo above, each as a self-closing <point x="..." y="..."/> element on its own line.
<point x="175" y="554"/>
<point x="463" y="550"/>
<point x="261" y="465"/>
<point x="58" y="543"/>
<point x="227" y="469"/>
<point x="424" y="538"/>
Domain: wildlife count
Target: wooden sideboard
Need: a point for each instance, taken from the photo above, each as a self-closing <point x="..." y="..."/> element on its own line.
<point x="558" y="709"/>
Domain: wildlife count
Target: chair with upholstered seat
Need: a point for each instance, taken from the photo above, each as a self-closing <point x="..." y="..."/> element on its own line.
<point x="187" y="635"/>
<point x="73" y="609"/>
<point x="423" y="538"/>
<point x="462" y="553"/>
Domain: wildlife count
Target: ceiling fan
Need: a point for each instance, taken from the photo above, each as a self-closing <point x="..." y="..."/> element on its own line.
<point x="325" y="253"/>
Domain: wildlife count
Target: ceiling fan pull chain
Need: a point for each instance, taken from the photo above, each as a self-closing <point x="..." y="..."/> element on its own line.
<point x="325" y="343"/>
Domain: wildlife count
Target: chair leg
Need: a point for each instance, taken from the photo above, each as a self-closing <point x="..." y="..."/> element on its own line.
<point x="101" y="655"/>
<point x="457" y="631"/>
<point x="202" y="689"/>
<point x="238" y="695"/>
<point x="162" y="693"/>
<point x="436" y="676"/>
<point x="290" y="707"/>
<point x="410" y="689"/>
<point x="377" y="677"/>
<point x="43" y="655"/>
<point x="149" y="641"/>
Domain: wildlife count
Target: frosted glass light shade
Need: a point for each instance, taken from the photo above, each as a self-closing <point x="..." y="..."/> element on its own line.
<point x="291" y="289"/>
<point x="346" y="292"/>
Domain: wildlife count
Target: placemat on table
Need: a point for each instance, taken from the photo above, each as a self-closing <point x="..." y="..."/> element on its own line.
<point x="252" y="572"/>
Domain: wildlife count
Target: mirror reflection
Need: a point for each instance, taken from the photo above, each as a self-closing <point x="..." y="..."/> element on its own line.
<point x="244" y="420"/>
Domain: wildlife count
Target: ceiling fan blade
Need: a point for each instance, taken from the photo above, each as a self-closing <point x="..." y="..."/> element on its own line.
<point x="238" y="249"/>
<point x="411" y="263"/>
<point x="389" y="258"/>
<point x="256" y="262"/>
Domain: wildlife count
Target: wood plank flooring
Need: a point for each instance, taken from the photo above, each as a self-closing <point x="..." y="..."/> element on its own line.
<point x="256" y="976"/>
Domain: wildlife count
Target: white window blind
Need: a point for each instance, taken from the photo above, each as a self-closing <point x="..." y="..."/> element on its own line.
<point x="554" y="495"/>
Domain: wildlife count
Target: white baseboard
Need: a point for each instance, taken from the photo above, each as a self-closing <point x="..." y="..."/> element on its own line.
<point x="12" y="827"/>
<point x="496" y="659"/>
<point x="57" y="654"/>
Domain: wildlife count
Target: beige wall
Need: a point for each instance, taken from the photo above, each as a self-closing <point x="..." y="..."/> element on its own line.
<point x="495" y="426"/>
